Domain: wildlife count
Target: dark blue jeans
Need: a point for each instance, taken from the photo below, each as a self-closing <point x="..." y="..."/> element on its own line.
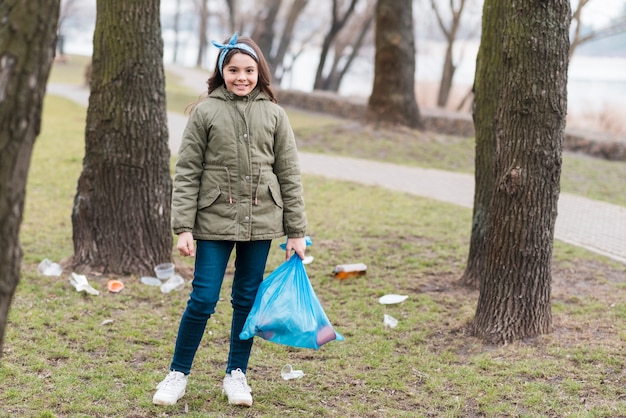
<point x="210" y="267"/>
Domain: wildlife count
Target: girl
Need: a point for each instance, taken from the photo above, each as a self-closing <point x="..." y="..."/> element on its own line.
<point x="236" y="185"/>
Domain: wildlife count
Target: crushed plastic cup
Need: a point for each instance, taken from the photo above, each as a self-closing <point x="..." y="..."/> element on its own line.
<point x="345" y="271"/>
<point x="151" y="281"/>
<point x="390" y="321"/>
<point x="48" y="268"/>
<point x="392" y="299"/>
<point x="288" y="373"/>
<point x="173" y="283"/>
<point x="81" y="284"/>
<point x="164" y="270"/>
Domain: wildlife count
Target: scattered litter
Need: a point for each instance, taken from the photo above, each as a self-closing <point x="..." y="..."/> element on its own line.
<point x="390" y="321"/>
<point x="48" y="268"/>
<point x="308" y="259"/>
<point x="164" y="271"/>
<point x="391" y="299"/>
<point x="173" y="283"/>
<point x="345" y="271"/>
<point x="115" y="286"/>
<point x="106" y="322"/>
<point x="151" y="281"/>
<point x="81" y="284"/>
<point x="287" y="372"/>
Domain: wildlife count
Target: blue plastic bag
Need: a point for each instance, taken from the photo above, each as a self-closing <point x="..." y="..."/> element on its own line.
<point x="287" y="311"/>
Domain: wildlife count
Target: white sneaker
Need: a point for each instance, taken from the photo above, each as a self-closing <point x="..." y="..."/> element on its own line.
<point x="171" y="389"/>
<point x="237" y="389"/>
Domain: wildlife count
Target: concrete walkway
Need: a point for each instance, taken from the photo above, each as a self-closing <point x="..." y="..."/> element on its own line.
<point x="597" y="226"/>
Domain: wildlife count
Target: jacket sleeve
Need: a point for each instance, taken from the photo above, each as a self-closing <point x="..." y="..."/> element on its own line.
<point x="188" y="172"/>
<point x="287" y="170"/>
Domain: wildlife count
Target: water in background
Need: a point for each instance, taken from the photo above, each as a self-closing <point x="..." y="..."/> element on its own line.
<point x="593" y="82"/>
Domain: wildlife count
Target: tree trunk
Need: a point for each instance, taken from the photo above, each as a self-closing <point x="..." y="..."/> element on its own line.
<point x="27" y="44"/>
<point x="176" y="31"/>
<point x="121" y="214"/>
<point x="232" y="14"/>
<point x="514" y="300"/>
<point x="333" y="81"/>
<point x="276" y="60"/>
<point x="393" y="94"/>
<point x="336" y="25"/>
<point x="263" y="33"/>
<point x="203" y="26"/>
<point x="487" y="88"/>
<point x="447" y="75"/>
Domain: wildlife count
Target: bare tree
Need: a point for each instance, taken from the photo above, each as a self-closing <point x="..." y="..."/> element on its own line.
<point x="346" y="48"/>
<point x="121" y="213"/>
<point x="393" y="94"/>
<point x="27" y="44"/>
<point x="68" y="9"/>
<point x="203" y="27"/>
<point x="618" y="25"/>
<point x="263" y="33"/>
<point x="515" y="290"/>
<point x="176" y="31"/>
<point x="338" y="21"/>
<point x="276" y="59"/>
<point x="233" y="8"/>
<point x="450" y="32"/>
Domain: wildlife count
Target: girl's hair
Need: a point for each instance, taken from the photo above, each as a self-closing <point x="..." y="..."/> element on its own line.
<point x="217" y="80"/>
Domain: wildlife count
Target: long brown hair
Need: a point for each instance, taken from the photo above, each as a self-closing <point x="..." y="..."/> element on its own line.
<point x="217" y="80"/>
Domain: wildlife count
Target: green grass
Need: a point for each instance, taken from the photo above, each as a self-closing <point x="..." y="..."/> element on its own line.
<point x="68" y="354"/>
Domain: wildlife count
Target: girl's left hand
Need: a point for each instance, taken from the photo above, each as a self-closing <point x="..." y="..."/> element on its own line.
<point x="297" y="245"/>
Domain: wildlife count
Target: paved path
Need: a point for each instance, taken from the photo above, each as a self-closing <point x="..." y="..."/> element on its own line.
<point x="597" y="226"/>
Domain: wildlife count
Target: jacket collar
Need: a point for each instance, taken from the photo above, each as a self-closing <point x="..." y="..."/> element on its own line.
<point x="223" y="93"/>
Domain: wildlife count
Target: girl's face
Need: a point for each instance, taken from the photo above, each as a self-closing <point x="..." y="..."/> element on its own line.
<point x="241" y="74"/>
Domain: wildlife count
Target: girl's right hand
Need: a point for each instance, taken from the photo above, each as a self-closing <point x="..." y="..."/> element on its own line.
<point x="185" y="244"/>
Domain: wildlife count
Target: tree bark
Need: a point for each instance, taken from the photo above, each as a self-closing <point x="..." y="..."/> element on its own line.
<point x="121" y="214"/>
<point x="393" y="94"/>
<point x="514" y="300"/>
<point x="487" y="89"/>
<point x="27" y="44"/>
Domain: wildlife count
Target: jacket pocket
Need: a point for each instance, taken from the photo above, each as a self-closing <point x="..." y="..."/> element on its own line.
<point x="276" y="196"/>
<point x="207" y="199"/>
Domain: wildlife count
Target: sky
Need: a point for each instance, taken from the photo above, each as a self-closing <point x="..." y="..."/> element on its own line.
<point x="597" y="13"/>
<point x="600" y="12"/>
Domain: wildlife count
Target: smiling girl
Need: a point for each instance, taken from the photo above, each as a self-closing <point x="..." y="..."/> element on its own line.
<point x="236" y="185"/>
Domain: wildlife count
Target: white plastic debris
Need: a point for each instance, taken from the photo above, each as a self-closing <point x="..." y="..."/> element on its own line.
<point x="308" y="259"/>
<point x="151" y="281"/>
<point x="390" y="321"/>
<point x="287" y="372"/>
<point x="173" y="283"/>
<point x="48" y="268"/>
<point x="391" y="299"/>
<point x="81" y="284"/>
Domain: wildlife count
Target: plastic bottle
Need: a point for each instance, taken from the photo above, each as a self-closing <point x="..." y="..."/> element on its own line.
<point x="345" y="271"/>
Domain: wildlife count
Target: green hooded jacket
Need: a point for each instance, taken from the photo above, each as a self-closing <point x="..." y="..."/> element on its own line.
<point x="237" y="176"/>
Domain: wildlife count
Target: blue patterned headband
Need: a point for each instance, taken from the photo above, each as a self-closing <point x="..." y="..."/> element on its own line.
<point x="232" y="44"/>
